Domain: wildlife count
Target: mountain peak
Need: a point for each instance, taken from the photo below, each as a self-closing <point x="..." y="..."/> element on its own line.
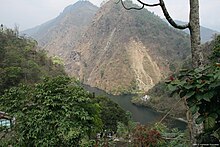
<point x="81" y="4"/>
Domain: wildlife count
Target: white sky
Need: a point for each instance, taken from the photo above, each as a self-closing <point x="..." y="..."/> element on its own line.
<point x="29" y="13"/>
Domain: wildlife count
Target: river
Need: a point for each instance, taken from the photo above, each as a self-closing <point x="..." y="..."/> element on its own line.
<point x="140" y="114"/>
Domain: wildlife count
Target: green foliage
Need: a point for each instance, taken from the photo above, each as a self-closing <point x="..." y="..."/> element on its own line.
<point x="151" y="135"/>
<point x="56" y="112"/>
<point x="201" y="88"/>
<point x="57" y="60"/>
<point x="111" y="114"/>
<point x="20" y="62"/>
<point x="172" y="137"/>
<point x="125" y="131"/>
<point x="216" y="50"/>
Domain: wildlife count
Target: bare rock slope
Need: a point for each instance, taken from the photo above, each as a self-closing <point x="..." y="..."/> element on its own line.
<point x="112" y="48"/>
<point x="127" y="50"/>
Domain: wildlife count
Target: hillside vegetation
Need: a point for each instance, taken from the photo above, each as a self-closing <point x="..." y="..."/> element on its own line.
<point x="44" y="106"/>
<point x="21" y="63"/>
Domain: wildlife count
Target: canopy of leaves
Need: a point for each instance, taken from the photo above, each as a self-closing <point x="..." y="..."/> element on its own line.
<point x="216" y="50"/>
<point x="111" y="114"/>
<point x="56" y="112"/>
<point x="201" y="88"/>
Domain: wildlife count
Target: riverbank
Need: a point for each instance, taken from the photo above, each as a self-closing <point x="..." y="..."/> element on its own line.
<point x="139" y="113"/>
<point x="162" y="105"/>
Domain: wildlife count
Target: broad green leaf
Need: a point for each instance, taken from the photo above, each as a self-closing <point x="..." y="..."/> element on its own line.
<point x="188" y="87"/>
<point x="209" y="122"/>
<point x="208" y="96"/>
<point x="201" y="85"/>
<point x="214" y="115"/>
<point x="218" y="111"/>
<point x="194" y="109"/>
<point x="200" y="119"/>
<point x="182" y="93"/>
<point x="216" y="135"/>
<point x="190" y="94"/>
<point x="172" y="87"/>
<point x="215" y="84"/>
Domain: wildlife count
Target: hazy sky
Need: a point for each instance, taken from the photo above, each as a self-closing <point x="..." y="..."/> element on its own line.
<point x="29" y="13"/>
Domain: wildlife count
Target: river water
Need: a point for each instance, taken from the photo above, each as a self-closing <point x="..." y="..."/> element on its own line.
<point x="138" y="113"/>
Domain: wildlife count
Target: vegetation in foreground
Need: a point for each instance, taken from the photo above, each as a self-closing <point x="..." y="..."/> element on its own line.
<point x="59" y="112"/>
<point x="47" y="111"/>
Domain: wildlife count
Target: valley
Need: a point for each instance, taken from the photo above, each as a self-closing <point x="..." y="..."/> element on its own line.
<point x="110" y="76"/>
<point x="138" y="44"/>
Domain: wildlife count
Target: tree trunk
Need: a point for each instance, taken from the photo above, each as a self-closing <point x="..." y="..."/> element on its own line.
<point x="197" y="58"/>
<point x="194" y="27"/>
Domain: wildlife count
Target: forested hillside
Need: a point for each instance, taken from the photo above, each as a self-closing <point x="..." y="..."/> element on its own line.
<point x="21" y="63"/>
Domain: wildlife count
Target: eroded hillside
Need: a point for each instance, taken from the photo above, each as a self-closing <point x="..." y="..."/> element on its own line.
<point x="127" y="50"/>
<point x="120" y="51"/>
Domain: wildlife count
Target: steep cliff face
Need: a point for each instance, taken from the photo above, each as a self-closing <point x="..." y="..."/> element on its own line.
<point x="60" y="35"/>
<point x="127" y="50"/>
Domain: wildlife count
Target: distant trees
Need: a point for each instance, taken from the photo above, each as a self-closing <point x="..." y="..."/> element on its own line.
<point x="20" y="62"/>
<point x="111" y="114"/>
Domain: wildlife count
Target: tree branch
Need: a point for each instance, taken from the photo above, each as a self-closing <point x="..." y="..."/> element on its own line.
<point x="165" y="12"/>
<point x="169" y="19"/>
<point x="131" y="8"/>
<point x="170" y="111"/>
<point x="149" y="5"/>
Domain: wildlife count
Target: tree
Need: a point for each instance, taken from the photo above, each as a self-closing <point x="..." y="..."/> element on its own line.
<point x="21" y="63"/>
<point x="56" y="112"/>
<point x="194" y="28"/>
<point x="111" y="114"/>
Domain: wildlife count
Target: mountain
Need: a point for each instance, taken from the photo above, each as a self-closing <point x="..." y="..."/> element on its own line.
<point x="206" y="33"/>
<point x="58" y="36"/>
<point x="127" y="50"/>
<point x="112" y="48"/>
